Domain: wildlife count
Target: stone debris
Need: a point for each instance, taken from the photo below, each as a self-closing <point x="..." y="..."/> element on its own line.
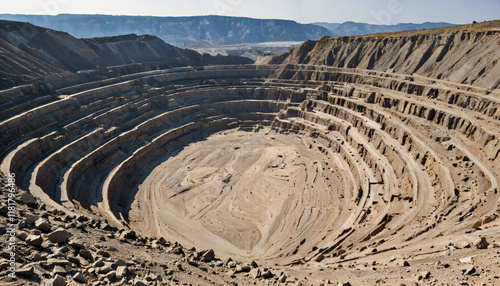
<point x="42" y="224"/>
<point x="59" y="236"/>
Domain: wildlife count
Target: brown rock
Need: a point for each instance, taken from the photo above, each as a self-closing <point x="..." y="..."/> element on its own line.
<point x="26" y="272"/>
<point x="34" y="240"/>
<point x="59" y="236"/>
<point x="57" y="281"/>
<point x="42" y="224"/>
<point x="267" y="274"/>
<point x="59" y="270"/>
<point x="208" y="255"/>
<point x="483" y="244"/>
<point x="319" y="258"/>
<point x="78" y="277"/>
<point x="85" y="254"/>
<point x="255" y="273"/>
<point x="121" y="271"/>
<point x="28" y="199"/>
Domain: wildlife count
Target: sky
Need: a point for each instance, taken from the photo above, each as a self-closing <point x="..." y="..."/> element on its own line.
<point x="303" y="11"/>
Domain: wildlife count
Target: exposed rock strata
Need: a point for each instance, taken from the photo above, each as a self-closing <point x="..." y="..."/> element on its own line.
<point x="367" y="173"/>
<point x="464" y="57"/>
<point x="359" y="166"/>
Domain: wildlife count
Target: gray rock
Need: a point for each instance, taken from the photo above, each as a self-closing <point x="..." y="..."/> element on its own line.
<point x="111" y="276"/>
<point x="59" y="236"/>
<point x="28" y="199"/>
<point x="85" y="254"/>
<point x="22" y="235"/>
<point x="121" y="271"/>
<point x="57" y="281"/>
<point x="40" y="271"/>
<point x="98" y="263"/>
<point x="42" y="224"/>
<point x="34" y="240"/>
<point x="483" y="244"/>
<point x="78" y="277"/>
<point x="30" y="218"/>
<point x="140" y="283"/>
<point x="59" y="270"/>
<point x="26" y="272"/>
<point x="76" y="244"/>
<point x="105" y="269"/>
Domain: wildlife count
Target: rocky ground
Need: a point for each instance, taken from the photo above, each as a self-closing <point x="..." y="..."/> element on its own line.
<point x="57" y="248"/>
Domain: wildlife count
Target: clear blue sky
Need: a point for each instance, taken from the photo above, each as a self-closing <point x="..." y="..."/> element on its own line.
<point x="303" y="11"/>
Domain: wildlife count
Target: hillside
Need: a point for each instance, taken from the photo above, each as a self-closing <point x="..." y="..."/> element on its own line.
<point x="28" y="52"/>
<point x="467" y="54"/>
<point x="356" y="29"/>
<point x="213" y="30"/>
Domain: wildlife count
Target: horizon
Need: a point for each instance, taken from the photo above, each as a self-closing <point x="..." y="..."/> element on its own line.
<point x="210" y="15"/>
<point x="377" y="12"/>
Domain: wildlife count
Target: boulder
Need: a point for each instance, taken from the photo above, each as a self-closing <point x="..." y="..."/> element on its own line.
<point x="28" y="199"/>
<point x="56" y="281"/>
<point x="267" y="274"/>
<point x="34" y="240"/>
<point x="121" y="271"/>
<point x="255" y="273"/>
<point x="59" y="236"/>
<point x="78" y="277"/>
<point x="28" y="272"/>
<point x="42" y="224"/>
<point x="85" y="254"/>
<point x="208" y="256"/>
<point x="59" y="270"/>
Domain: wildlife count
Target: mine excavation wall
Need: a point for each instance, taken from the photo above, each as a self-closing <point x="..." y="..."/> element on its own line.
<point x="402" y="146"/>
<point x="93" y="130"/>
<point x="461" y="57"/>
<point x="77" y="104"/>
<point x="393" y="94"/>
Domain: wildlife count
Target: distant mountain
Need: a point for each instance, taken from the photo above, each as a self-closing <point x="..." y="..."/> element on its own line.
<point x="28" y="52"/>
<point x="329" y="26"/>
<point x="356" y="29"/>
<point x="188" y="31"/>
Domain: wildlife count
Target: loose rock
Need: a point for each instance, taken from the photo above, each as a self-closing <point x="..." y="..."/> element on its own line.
<point x="59" y="236"/>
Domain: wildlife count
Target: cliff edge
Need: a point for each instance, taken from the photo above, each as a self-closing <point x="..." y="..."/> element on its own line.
<point x="466" y="54"/>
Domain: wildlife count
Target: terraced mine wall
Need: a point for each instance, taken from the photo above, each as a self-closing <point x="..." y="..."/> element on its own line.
<point x="468" y="57"/>
<point x="391" y="162"/>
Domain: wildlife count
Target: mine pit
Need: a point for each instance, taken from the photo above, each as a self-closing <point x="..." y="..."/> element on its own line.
<point x="281" y="164"/>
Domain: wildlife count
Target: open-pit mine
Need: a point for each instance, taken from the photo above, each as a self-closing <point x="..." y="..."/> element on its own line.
<point x="353" y="152"/>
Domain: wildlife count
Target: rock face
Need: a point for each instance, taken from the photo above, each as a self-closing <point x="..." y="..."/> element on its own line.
<point x="468" y="57"/>
<point x="355" y="29"/>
